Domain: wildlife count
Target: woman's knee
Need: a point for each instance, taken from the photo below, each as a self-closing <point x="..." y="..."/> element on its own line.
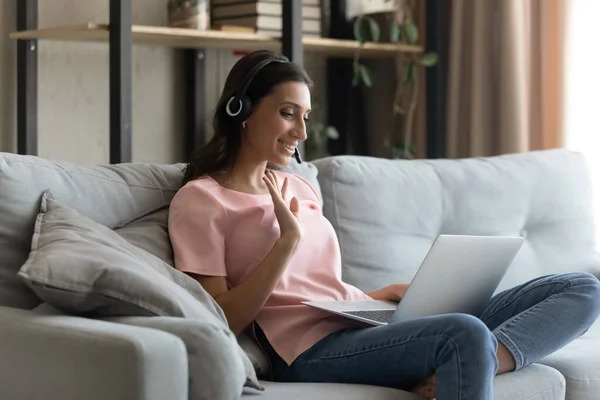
<point x="468" y="330"/>
<point x="588" y="285"/>
<point x="469" y="340"/>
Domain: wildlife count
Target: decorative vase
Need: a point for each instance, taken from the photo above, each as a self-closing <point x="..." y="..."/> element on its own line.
<point x="190" y="14"/>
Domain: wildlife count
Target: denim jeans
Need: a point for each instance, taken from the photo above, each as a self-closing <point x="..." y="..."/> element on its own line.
<point x="532" y="320"/>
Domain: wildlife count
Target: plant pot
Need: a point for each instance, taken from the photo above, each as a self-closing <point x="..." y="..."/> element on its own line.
<point x="189" y="14"/>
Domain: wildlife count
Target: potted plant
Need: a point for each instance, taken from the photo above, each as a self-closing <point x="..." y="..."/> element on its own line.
<point x="401" y="28"/>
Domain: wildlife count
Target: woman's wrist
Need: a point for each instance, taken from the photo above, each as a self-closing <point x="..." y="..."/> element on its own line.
<point x="288" y="242"/>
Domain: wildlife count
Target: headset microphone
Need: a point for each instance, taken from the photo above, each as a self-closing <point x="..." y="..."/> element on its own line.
<point x="297" y="156"/>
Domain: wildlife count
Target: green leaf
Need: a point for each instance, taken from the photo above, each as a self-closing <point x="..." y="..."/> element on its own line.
<point x="395" y="31"/>
<point x="412" y="32"/>
<point x="399" y="110"/>
<point x="332" y="133"/>
<point x="366" y="75"/>
<point x="430" y="59"/>
<point x="399" y="152"/>
<point x="375" y="31"/>
<point x="358" y="30"/>
<point x="409" y="73"/>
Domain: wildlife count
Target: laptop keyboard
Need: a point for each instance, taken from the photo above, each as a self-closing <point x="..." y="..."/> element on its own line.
<point x="374" y="315"/>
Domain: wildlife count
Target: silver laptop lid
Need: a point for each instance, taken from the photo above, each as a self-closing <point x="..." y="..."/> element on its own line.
<point x="459" y="274"/>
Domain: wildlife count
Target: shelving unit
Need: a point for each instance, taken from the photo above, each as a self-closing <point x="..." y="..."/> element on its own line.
<point x="120" y="34"/>
<point x="214" y="39"/>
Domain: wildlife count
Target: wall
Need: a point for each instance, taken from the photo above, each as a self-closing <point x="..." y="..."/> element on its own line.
<point x="73" y="87"/>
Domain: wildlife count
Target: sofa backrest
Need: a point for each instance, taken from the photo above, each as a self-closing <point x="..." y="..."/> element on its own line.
<point x="387" y="213"/>
<point x="112" y="195"/>
<point x="130" y="198"/>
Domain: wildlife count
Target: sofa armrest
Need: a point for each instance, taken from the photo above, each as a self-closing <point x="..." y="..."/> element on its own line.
<point x="54" y="357"/>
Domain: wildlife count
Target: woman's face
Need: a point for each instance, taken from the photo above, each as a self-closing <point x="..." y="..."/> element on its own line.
<point x="278" y="123"/>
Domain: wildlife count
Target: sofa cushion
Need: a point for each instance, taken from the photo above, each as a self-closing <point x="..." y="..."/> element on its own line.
<point x="111" y="195"/>
<point x="83" y="267"/>
<point x="326" y="391"/>
<point x="216" y="370"/>
<point x="308" y="171"/>
<point x="150" y="233"/>
<point x="579" y="362"/>
<point x="387" y="213"/>
<point x="536" y="382"/>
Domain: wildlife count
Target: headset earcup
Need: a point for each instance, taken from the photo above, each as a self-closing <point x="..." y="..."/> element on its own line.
<point x="246" y="109"/>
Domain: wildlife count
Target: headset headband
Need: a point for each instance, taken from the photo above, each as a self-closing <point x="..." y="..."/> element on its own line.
<point x="237" y="98"/>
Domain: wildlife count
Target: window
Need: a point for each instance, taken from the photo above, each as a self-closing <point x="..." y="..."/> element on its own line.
<point x="582" y="89"/>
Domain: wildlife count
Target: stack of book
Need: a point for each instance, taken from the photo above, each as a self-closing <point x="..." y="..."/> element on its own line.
<point x="262" y="16"/>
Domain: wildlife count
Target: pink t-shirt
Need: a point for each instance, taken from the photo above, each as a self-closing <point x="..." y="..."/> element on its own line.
<point x="221" y="232"/>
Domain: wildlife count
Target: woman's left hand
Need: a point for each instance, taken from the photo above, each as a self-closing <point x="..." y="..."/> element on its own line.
<point x="393" y="292"/>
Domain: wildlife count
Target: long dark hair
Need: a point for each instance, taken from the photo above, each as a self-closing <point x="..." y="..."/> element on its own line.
<point x="220" y="153"/>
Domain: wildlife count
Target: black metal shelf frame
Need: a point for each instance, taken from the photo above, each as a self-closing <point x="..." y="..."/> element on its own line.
<point x="120" y="75"/>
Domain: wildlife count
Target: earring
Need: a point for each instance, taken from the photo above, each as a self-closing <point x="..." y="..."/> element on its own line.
<point x="244" y="124"/>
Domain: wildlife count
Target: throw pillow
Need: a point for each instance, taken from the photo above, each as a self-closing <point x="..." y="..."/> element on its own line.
<point x="85" y="268"/>
<point x="215" y="370"/>
<point x="150" y="232"/>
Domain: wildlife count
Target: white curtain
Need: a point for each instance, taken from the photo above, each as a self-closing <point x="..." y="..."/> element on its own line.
<point x="582" y="89"/>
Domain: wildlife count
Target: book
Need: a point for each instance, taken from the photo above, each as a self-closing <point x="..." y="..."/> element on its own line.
<point x="277" y="34"/>
<point x="266" y="32"/>
<point x="223" y="2"/>
<point x="355" y="8"/>
<point x="260" y="8"/>
<point x="266" y="22"/>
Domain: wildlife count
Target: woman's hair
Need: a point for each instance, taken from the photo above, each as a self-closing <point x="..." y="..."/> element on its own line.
<point x="220" y="153"/>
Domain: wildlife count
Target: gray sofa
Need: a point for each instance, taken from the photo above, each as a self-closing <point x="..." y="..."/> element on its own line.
<point x="386" y="213"/>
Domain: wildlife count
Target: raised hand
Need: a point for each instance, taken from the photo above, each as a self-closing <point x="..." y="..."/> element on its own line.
<point x="287" y="217"/>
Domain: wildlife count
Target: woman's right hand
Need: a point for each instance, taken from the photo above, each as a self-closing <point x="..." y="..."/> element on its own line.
<point x="287" y="217"/>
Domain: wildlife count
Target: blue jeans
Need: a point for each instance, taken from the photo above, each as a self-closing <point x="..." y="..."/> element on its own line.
<point x="532" y="320"/>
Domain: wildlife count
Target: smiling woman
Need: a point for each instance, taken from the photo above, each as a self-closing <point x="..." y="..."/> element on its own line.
<point x="257" y="241"/>
<point x="260" y="116"/>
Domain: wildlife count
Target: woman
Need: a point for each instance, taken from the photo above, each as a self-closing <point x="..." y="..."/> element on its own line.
<point x="256" y="240"/>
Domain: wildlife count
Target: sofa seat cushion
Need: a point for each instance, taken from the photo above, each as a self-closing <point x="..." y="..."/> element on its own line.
<point x="325" y="391"/>
<point x="579" y="362"/>
<point x="536" y="382"/>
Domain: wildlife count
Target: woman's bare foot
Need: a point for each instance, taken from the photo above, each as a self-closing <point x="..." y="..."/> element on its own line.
<point x="426" y="387"/>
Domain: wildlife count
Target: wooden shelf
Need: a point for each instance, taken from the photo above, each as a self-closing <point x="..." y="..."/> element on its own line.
<point x="189" y="38"/>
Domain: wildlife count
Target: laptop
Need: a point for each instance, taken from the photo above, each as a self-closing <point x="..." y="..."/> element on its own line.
<point x="459" y="274"/>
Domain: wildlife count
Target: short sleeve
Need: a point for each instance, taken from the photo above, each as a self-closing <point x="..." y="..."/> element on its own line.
<point x="197" y="229"/>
